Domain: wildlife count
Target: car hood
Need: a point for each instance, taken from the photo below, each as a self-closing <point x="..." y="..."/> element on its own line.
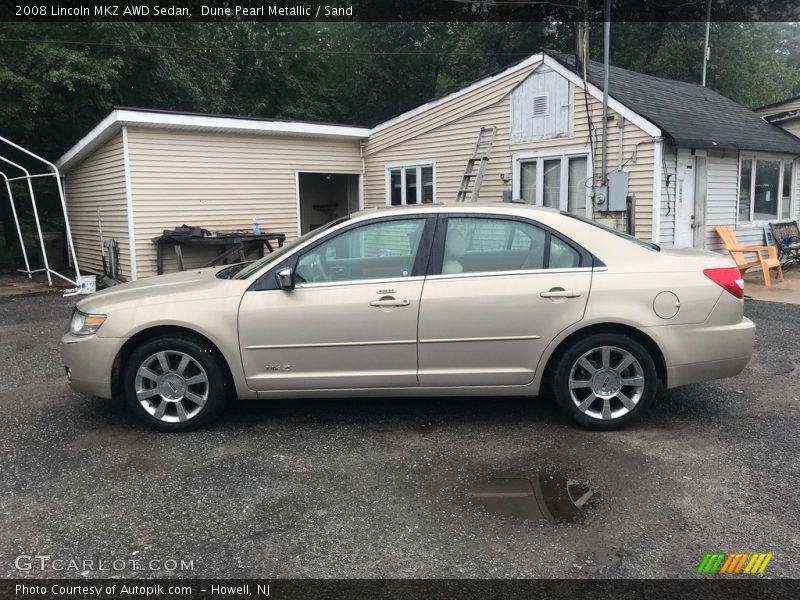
<point x="162" y="288"/>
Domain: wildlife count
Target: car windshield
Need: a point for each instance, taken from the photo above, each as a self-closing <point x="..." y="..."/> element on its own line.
<point x="625" y="236"/>
<point x="279" y="252"/>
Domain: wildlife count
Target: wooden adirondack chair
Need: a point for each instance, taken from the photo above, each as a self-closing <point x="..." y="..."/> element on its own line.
<point x="766" y="256"/>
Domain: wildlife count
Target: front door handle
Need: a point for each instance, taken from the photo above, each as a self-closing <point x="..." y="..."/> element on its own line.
<point x="560" y="293"/>
<point x="390" y="302"/>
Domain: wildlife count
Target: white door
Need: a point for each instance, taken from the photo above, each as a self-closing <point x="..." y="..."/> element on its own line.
<point x="684" y="199"/>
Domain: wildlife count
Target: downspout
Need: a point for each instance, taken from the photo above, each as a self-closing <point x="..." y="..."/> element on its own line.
<point x="658" y="160"/>
<point x="361" y="145"/>
<point x="620" y="140"/>
<point x="606" y="50"/>
<point x="129" y="203"/>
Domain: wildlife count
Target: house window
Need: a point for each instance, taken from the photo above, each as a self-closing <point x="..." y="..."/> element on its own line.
<point x="410" y="184"/>
<point x="556" y="181"/>
<point x="765" y="189"/>
<point x="541" y="105"/>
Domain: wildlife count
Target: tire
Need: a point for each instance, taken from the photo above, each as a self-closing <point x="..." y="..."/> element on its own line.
<point x="189" y="394"/>
<point x="615" y="369"/>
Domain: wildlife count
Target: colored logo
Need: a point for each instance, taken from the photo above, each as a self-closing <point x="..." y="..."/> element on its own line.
<point x="734" y="564"/>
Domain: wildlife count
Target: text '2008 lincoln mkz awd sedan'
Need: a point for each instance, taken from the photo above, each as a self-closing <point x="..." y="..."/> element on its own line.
<point x="429" y="300"/>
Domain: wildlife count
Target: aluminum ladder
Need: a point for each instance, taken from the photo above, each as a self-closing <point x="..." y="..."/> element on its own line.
<point x="476" y="166"/>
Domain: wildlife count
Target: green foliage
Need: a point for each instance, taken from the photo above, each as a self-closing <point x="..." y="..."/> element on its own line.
<point x="751" y="63"/>
<point x="67" y="76"/>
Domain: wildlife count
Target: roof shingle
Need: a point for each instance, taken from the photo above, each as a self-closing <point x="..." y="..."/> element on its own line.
<point x="693" y="116"/>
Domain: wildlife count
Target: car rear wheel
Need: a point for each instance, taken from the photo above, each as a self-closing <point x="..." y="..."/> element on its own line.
<point x="175" y="383"/>
<point x="605" y="381"/>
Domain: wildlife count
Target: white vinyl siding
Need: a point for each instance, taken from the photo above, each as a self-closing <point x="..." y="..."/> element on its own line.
<point x="95" y="194"/>
<point x="221" y="181"/>
<point x="722" y="190"/>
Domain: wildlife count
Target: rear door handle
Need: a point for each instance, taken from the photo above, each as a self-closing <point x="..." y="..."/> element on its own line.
<point x="560" y="293"/>
<point x="390" y="302"/>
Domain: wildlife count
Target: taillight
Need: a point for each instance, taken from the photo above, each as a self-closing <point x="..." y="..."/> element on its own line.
<point x="729" y="279"/>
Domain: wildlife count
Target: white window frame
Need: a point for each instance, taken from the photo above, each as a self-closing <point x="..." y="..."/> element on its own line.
<point x="418" y="165"/>
<point x="564" y="156"/>
<point x="755" y="157"/>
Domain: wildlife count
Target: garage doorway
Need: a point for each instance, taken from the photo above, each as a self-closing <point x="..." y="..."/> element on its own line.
<point x="323" y="197"/>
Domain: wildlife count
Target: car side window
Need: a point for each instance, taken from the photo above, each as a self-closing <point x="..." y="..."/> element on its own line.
<point x="382" y="250"/>
<point x="562" y="256"/>
<point x="476" y="245"/>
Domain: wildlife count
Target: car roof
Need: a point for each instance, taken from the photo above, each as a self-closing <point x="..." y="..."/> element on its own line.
<point x="508" y="208"/>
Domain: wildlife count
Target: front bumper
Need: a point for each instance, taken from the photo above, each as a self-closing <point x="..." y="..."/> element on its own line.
<point x="90" y="360"/>
<point x="695" y="353"/>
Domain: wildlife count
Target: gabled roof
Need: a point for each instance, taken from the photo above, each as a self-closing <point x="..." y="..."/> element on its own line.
<point x="120" y="117"/>
<point x="693" y="116"/>
<point x="532" y="61"/>
<point x="766" y="107"/>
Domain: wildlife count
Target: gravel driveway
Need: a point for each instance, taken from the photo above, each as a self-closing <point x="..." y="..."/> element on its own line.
<point x="398" y="488"/>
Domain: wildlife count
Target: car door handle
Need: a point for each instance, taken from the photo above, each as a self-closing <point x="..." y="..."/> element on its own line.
<point x="560" y="293"/>
<point x="390" y="302"/>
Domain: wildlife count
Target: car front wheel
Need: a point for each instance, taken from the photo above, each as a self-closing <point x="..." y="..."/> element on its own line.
<point x="605" y="381"/>
<point x="175" y="383"/>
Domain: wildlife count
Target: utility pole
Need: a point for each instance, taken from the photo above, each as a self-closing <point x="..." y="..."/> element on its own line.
<point x="606" y="51"/>
<point x="581" y="29"/>
<point x="705" y="46"/>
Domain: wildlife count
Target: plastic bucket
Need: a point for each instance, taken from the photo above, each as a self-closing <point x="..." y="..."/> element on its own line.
<point x="88" y="284"/>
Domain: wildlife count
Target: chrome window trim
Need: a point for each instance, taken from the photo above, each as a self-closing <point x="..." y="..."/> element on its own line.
<point x="300" y="286"/>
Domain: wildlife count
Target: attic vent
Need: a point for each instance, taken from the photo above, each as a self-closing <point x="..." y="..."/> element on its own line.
<point x="541" y="105"/>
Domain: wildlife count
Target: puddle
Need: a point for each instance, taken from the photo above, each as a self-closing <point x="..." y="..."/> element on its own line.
<point x="549" y="496"/>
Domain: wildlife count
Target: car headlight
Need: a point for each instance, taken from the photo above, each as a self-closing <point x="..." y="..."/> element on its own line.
<point x="85" y="324"/>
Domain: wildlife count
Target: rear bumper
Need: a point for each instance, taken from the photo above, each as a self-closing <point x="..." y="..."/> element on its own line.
<point x="703" y="352"/>
<point x="89" y="360"/>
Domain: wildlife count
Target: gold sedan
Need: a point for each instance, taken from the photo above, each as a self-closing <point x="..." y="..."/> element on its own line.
<point x="429" y="300"/>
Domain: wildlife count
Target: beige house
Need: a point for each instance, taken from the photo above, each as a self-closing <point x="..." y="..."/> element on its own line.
<point x="686" y="158"/>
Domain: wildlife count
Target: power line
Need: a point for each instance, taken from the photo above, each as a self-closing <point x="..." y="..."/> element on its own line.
<point x="261" y="50"/>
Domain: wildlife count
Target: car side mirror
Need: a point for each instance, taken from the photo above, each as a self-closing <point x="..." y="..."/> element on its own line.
<point x="285" y="278"/>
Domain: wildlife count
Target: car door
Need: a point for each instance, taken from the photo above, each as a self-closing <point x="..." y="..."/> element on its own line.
<point x="500" y="289"/>
<point x="351" y="320"/>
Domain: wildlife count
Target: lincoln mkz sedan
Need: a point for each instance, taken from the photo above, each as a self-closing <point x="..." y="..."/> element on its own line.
<point x="420" y="301"/>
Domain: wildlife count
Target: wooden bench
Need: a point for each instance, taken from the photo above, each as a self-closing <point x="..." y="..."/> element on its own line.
<point x="787" y="239"/>
<point x="766" y="257"/>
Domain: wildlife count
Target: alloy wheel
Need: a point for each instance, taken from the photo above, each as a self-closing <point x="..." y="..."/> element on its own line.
<point x="172" y="386"/>
<point x="606" y="383"/>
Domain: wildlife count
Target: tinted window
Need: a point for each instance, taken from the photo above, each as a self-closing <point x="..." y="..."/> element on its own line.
<point x="562" y="255"/>
<point x="476" y="245"/>
<point x="386" y="249"/>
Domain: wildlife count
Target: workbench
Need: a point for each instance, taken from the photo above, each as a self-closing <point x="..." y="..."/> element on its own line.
<point x="231" y="245"/>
